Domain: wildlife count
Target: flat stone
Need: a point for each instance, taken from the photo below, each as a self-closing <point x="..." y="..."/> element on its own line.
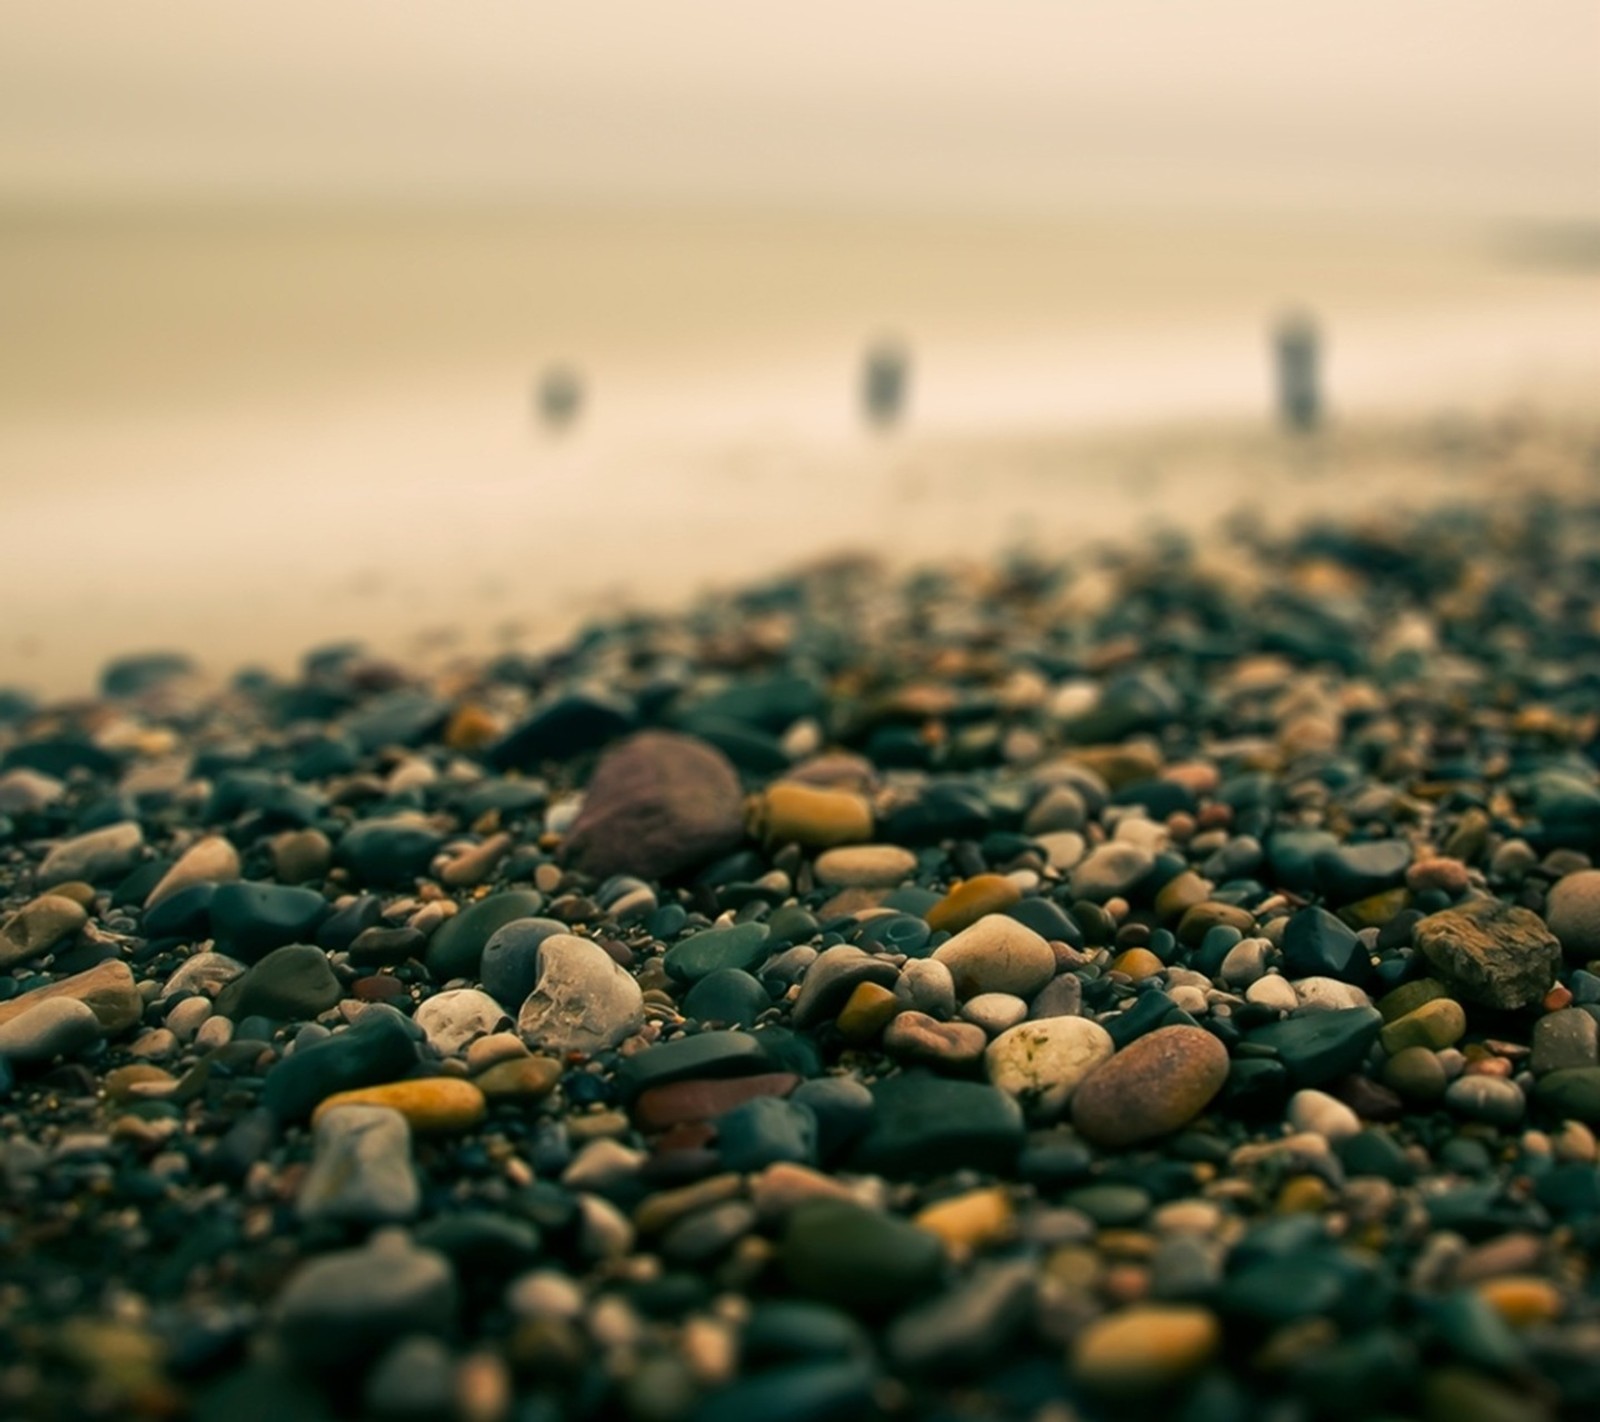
<point x="391" y="851"/>
<point x="211" y="860"/>
<point x="108" y="988"/>
<point x="1572" y="1094"/>
<point x="680" y="1102"/>
<point x="832" y="977"/>
<point x="1111" y="870"/>
<point x="995" y="1012"/>
<point x="1490" y="952"/>
<point x="997" y="954"/>
<point x="1347" y="872"/>
<point x="97" y="857"/>
<point x="525" y="1078"/>
<point x="431" y="1105"/>
<point x="924" y="1125"/>
<point x="1319" y="1047"/>
<point x="456" y="949"/>
<point x="742" y="946"/>
<point x="1145" y="1349"/>
<point x="1041" y="1063"/>
<point x="249" y="920"/>
<point x="360" y="1168"/>
<point x="290" y="984"/>
<point x="585" y="1001"/>
<point x="766" y="1130"/>
<point x="56" y="1027"/>
<point x="1435" y="1025"/>
<point x="658" y="804"/>
<point x="377" y="1048"/>
<point x="1563" y="1040"/>
<point x="971" y="900"/>
<point x="708" y="1055"/>
<point x="346" y="1307"/>
<point x="509" y="964"/>
<point x="914" y="1036"/>
<point x="858" y="1259"/>
<point x="567" y="724"/>
<point x="727" y="998"/>
<point x="38" y="927"/>
<point x="865" y="866"/>
<point x="453" y="1020"/>
<point x="788" y="812"/>
<point x="1150" y="1088"/>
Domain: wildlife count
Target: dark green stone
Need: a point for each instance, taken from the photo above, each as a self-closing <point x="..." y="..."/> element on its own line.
<point x="457" y="947"/>
<point x="924" y="1125"/>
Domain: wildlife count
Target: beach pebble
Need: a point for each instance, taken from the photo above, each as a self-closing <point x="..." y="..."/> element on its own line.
<point x="1145" y="1348"/>
<point x="584" y="1001"/>
<point x="107" y="988"/>
<point x="997" y="954"/>
<point x="212" y="860"/>
<point x="1490" y="952"/>
<point x="1111" y="870"/>
<point x="360" y="1168"/>
<point x="994" y="1011"/>
<point x="865" y="866"/>
<point x="54" y="1027"/>
<point x="1573" y="913"/>
<point x="1151" y="1087"/>
<point x="971" y="900"/>
<point x="1042" y="1063"/>
<point x="38" y="927"/>
<point x="431" y="1105"/>
<point x="1321" y="1115"/>
<point x="453" y="1020"/>
<point x="97" y="857"/>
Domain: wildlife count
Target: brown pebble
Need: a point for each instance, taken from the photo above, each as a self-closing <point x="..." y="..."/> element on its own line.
<point x="1153" y="1086"/>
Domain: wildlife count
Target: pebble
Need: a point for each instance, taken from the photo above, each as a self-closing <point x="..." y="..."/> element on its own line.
<point x="96" y="857"/>
<point x="1110" y="870"/>
<point x="1564" y="1039"/>
<point x="997" y="954"/>
<point x="523" y="1078"/>
<point x="1573" y="913"/>
<point x="1490" y="952"/>
<point x="1145" y="1349"/>
<point x="360" y="1168"/>
<point x="509" y="963"/>
<point x="39" y="926"/>
<point x="584" y="1002"/>
<point x="1439" y="1023"/>
<point x="791" y="813"/>
<point x="995" y="1012"/>
<point x="430" y="1105"/>
<point x="865" y="866"/>
<point x="919" y="1038"/>
<point x="1322" y="1115"/>
<point x="1150" y="1088"/>
<point x="971" y="900"/>
<point x="1042" y="1063"/>
<point x="108" y="989"/>
<point x="858" y="1259"/>
<point x="211" y="860"/>
<point x="291" y="984"/>
<point x="1486" y="1098"/>
<point x="453" y="1020"/>
<point x="55" y="1027"/>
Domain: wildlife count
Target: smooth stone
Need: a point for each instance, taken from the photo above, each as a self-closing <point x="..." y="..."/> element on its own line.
<point x="299" y="856"/>
<point x="1417" y="1074"/>
<point x="796" y="1392"/>
<point x="832" y="977"/>
<point x="108" y="988"/>
<point x="509" y="964"/>
<point x="290" y="984"/>
<point x="1409" y="996"/>
<point x="867" y="1011"/>
<point x="1321" y="1046"/>
<point x="1572" y="910"/>
<point x="97" y="857"/>
<point x="997" y="954"/>
<point x="1348" y="872"/>
<point x="728" y="997"/>
<point x="1328" y="995"/>
<point x="766" y="1130"/>
<point x="360" y="1168"/>
<point x="525" y="1078"/>
<point x="457" y="947"/>
<point x="1435" y="1025"/>
<point x="417" y="1378"/>
<point x="453" y="1020"/>
<point x="858" y="1259"/>
<point x="1321" y="1115"/>
<point x="248" y="920"/>
<point x="710" y="1055"/>
<point x="865" y="866"/>
<point x="1566" y="1039"/>
<point x="926" y="985"/>
<point x="1111" y="870"/>
<point x="924" y="1124"/>
<point x="742" y="946"/>
<point x="1145" y="1349"/>
<point x="1150" y="1088"/>
<point x="679" y="1102"/>
<point x="56" y="1027"/>
<point x="1041" y="1063"/>
<point x="377" y="1048"/>
<point x="342" y="1308"/>
<point x="789" y="812"/>
<point x="390" y="852"/>
<point x="1316" y="944"/>
<point x="212" y="860"/>
<point x="1245" y="963"/>
<point x="1486" y="1098"/>
<point x="431" y="1105"/>
<point x="1490" y="952"/>
<point x="971" y="900"/>
<point x="657" y="804"/>
<point x="585" y="1002"/>
<point x="1572" y="1093"/>
<point x="964" y="1330"/>
<point x="565" y="725"/>
<point x="995" y="1012"/>
<point x="917" y="1037"/>
<point x="38" y="927"/>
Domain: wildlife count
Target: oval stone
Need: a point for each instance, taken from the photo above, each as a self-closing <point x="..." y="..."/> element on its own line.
<point x="997" y="954"/>
<point x="432" y="1105"/>
<point x="1152" y="1087"/>
<point x="1041" y="1063"/>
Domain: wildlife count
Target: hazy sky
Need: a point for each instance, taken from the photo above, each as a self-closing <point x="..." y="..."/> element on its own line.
<point x="1478" y="107"/>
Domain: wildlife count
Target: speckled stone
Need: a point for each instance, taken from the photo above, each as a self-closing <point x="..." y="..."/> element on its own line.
<point x="1042" y="1063"/>
<point x="1152" y="1087"/>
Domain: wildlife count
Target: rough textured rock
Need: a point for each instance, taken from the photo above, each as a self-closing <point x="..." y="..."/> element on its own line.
<point x="584" y="1001"/>
<point x="1490" y="952"/>
<point x="658" y="804"/>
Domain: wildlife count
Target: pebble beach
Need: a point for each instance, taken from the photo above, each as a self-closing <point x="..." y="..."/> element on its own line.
<point x="1149" y="977"/>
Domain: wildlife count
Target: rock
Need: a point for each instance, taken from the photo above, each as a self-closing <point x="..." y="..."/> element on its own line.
<point x="742" y="946"/>
<point x="456" y="950"/>
<point x="584" y="1001"/>
<point x="995" y="1012"/>
<point x="919" y="1038"/>
<point x="206" y="973"/>
<point x="1321" y="1046"/>
<point x="658" y="804"/>
<point x="417" y="1378"/>
<point x="509" y="965"/>
<point x="1563" y="1040"/>
<point x="567" y="724"/>
<point x="108" y="989"/>
<point x="1041" y="1063"/>
<point x="832" y="977"/>
<point x="522" y="1078"/>
<point x="962" y="1331"/>
<point x="764" y="1131"/>
<point x="926" y="985"/>
<point x="1573" y="912"/>
<point x="212" y="860"/>
<point x="1322" y="1115"/>
<point x="865" y="866"/>
<point x="300" y="856"/>
<point x="377" y="1048"/>
<point x="728" y="998"/>
<point x="1486" y="1098"/>
<point x="453" y="1020"/>
<point x="971" y="900"/>
<point x="1150" y="1088"/>
<point x="1572" y="1094"/>
<point x="55" y="1027"/>
<point x="97" y="857"/>
<point x="1436" y="1024"/>
<point x="1416" y="1073"/>
<point x="1316" y="944"/>
<point x="858" y="1259"/>
<point x="661" y="1107"/>
<point x="707" y="1055"/>
<point x="1490" y="953"/>
<point x="1347" y="872"/>
<point x="390" y="852"/>
<point x="38" y="927"/>
<point x="291" y="984"/>
<point x="867" y="1011"/>
<point x="791" y="813"/>
<point x="924" y="1125"/>
<point x="249" y="920"/>
<point x="344" y="1308"/>
<point x="796" y="1392"/>
<point x="1145" y="1349"/>
<point x="431" y="1105"/>
<point x="997" y="954"/>
<point x="360" y="1168"/>
<point x="1111" y="870"/>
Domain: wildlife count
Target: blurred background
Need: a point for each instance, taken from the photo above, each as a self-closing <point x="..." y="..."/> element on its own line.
<point x="445" y="326"/>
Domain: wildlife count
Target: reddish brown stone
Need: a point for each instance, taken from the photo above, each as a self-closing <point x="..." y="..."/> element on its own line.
<point x="378" y="988"/>
<point x="662" y="1107"/>
<point x="658" y="803"/>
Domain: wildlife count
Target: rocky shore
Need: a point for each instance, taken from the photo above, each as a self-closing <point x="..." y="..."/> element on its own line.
<point x="1163" y="984"/>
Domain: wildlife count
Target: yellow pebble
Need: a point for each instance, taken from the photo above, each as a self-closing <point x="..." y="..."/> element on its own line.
<point x="965" y="904"/>
<point x="1522" y="1299"/>
<point x="1137" y="963"/>
<point x="970" y="1221"/>
<point x="868" y="1011"/>
<point x="805" y="815"/>
<point x="433" y="1104"/>
<point x="527" y="1077"/>
<point x="1304" y="1195"/>
<point x="1145" y="1348"/>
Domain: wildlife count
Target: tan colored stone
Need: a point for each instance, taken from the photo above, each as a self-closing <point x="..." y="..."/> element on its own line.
<point x="970" y="900"/>
<point x="108" y="988"/>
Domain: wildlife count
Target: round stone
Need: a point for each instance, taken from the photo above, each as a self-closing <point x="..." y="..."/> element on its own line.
<point x="107" y="988"/>
<point x="1041" y="1063"/>
<point x="1486" y="1098"/>
<point x="98" y="857"/>
<point x="360" y="1168"/>
<point x="1322" y="1115"/>
<point x="997" y="954"/>
<point x="1435" y="1025"/>
<point x="1152" y="1087"/>
<point x="509" y="966"/>
<point x="1573" y="913"/>
<point x="1417" y="1074"/>
<point x="37" y="927"/>
<point x="1111" y="870"/>
<point x="290" y="984"/>
<point x="815" y="819"/>
<point x="865" y="866"/>
<point x="1145" y="1348"/>
<point x="56" y="1027"/>
<point x="212" y="860"/>
<point x="995" y="1012"/>
<point x="522" y="1078"/>
<point x="453" y="1020"/>
<point x="917" y="1037"/>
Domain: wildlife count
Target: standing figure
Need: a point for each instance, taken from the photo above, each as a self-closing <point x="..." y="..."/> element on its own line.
<point x="1299" y="356"/>
<point x="885" y="375"/>
<point x="560" y="396"/>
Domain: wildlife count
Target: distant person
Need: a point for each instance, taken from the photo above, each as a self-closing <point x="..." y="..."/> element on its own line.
<point x="560" y="396"/>
<point x="885" y="376"/>
<point x="1298" y="346"/>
